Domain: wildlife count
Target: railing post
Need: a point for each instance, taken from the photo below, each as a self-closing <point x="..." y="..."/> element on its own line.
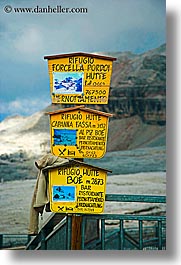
<point x="1" y="241"/>
<point x="121" y="235"/>
<point x="102" y="234"/>
<point x="83" y="232"/>
<point x="69" y="232"/>
<point x="159" y="235"/>
<point x="43" y="240"/>
<point x="140" y="234"/>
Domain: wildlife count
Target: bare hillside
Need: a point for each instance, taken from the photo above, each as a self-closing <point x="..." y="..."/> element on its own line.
<point x="137" y="100"/>
<point x="132" y="133"/>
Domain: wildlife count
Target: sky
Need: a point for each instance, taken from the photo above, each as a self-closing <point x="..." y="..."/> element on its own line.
<point x="25" y="38"/>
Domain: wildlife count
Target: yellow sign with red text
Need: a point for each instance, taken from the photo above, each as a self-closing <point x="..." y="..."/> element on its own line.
<point x="80" y="78"/>
<point x="77" y="189"/>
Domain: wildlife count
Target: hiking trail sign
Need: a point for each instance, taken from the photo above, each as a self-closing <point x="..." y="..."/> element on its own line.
<point x="80" y="78"/>
<point x="77" y="188"/>
<point x="78" y="132"/>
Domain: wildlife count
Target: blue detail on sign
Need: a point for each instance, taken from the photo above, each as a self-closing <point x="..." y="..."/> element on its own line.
<point x="63" y="193"/>
<point x="70" y="83"/>
<point x="64" y="137"/>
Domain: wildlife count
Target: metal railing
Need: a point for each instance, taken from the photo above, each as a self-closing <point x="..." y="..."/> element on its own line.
<point x="12" y="241"/>
<point x="111" y="231"/>
<point x="122" y="235"/>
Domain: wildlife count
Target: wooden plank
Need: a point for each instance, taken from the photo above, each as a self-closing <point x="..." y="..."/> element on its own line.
<point x="82" y="107"/>
<point x="64" y="110"/>
<point x="65" y="55"/>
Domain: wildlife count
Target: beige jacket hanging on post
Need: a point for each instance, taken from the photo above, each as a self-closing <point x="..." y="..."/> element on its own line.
<point x="41" y="196"/>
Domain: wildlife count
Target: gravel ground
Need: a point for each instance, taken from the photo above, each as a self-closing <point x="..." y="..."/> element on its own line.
<point x="15" y="198"/>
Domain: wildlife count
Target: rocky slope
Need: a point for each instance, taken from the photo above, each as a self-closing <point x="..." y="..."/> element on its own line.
<point x="23" y="140"/>
<point x="138" y="86"/>
<point x="137" y="98"/>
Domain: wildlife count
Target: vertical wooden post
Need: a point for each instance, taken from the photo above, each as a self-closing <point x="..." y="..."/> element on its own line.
<point x="76" y="228"/>
<point x="76" y="232"/>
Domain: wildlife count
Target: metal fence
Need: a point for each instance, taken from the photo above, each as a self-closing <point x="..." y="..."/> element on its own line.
<point x="106" y="231"/>
<point x="134" y="237"/>
<point x="13" y="241"/>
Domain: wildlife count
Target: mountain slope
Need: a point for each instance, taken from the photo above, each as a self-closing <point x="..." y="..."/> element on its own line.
<point x="137" y="98"/>
<point x="19" y="134"/>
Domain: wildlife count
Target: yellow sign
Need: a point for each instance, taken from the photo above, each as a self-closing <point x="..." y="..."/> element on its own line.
<point x="80" y="78"/>
<point x="77" y="188"/>
<point x="79" y="132"/>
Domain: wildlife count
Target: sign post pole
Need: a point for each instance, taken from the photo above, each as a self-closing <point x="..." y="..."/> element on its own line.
<point x="76" y="232"/>
<point x="79" y="78"/>
<point x="76" y="239"/>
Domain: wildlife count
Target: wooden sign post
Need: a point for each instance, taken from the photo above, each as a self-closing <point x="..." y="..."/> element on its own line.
<point x="78" y="132"/>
